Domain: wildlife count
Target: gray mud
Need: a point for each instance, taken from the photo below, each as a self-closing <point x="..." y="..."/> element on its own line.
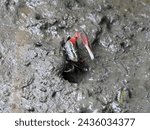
<point x="31" y="62"/>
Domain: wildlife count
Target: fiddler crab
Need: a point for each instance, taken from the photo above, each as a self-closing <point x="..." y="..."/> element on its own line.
<point x="71" y="52"/>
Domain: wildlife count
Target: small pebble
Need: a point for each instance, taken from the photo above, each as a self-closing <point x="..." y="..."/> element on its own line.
<point x="43" y="89"/>
<point x="29" y="108"/>
<point x="27" y="63"/>
<point x="38" y="44"/>
<point x="6" y="93"/>
<point x="43" y="99"/>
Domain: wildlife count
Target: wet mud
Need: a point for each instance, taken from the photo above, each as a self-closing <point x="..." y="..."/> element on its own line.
<point x="31" y="61"/>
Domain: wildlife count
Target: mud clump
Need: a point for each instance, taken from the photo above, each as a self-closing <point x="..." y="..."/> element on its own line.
<point x="30" y="57"/>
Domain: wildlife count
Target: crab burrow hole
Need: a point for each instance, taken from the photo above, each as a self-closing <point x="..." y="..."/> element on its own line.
<point x="74" y="73"/>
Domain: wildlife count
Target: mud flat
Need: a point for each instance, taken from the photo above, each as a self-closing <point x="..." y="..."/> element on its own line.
<point x="31" y="62"/>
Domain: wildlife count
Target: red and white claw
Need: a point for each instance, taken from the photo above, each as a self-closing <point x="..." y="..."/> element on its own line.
<point x="87" y="45"/>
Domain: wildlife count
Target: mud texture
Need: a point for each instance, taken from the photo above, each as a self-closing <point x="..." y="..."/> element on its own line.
<point x="31" y="62"/>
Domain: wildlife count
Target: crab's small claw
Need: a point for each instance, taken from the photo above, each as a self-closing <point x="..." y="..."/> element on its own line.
<point x="85" y="41"/>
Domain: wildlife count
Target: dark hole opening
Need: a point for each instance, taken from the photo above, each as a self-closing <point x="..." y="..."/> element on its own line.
<point x="53" y="94"/>
<point x="74" y="73"/>
<point x="123" y="45"/>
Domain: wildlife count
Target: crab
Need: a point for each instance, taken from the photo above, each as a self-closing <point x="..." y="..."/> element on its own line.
<point x="71" y="52"/>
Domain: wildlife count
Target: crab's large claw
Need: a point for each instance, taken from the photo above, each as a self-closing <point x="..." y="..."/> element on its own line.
<point x="85" y="41"/>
